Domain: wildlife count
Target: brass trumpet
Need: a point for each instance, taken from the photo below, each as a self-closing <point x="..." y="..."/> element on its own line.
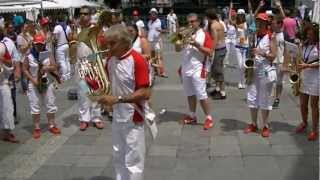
<point x="182" y="38"/>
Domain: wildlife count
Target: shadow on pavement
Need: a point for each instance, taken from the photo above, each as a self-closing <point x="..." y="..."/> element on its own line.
<point x="170" y="116"/>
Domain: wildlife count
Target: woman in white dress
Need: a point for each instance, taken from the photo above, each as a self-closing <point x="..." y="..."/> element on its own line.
<point x="309" y="88"/>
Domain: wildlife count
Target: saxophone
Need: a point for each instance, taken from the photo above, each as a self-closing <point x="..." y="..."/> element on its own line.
<point x="294" y="77"/>
<point x="182" y="38"/>
<point x="43" y="81"/>
<point x="249" y="63"/>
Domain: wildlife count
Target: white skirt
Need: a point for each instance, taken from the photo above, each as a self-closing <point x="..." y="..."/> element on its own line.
<point x="310" y="82"/>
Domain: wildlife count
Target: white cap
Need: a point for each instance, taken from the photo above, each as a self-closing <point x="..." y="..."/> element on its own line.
<point x="269" y="13"/>
<point x="153" y="10"/>
<point x="241" y="11"/>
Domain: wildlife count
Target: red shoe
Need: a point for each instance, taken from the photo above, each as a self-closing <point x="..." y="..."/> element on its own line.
<point x="265" y="132"/>
<point x="98" y="125"/>
<point x="250" y="128"/>
<point x="302" y="126"/>
<point x="83" y="126"/>
<point x="54" y="130"/>
<point x="9" y="137"/>
<point x="208" y="123"/>
<point x="36" y="133"/>
<point x="312" y="136"/>
<point x="189" y="120"/>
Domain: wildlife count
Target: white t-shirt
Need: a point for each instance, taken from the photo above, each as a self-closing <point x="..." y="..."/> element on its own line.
<point x="231" y="34"/>
<point x="61" y="35"/>
<point x="172" y="19"/>
<point x="154" y="28"/>
<point x="137" y="45"/>
<point x="11" y="47"/>
<point x="192" y="58"/>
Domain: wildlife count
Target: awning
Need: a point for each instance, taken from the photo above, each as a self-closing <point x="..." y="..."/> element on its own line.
<point x="25" y="5"/>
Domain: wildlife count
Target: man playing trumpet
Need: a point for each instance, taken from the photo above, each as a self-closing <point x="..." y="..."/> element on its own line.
<point x="194" y="70"/>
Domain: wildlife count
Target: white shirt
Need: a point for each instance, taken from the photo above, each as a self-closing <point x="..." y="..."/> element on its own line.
<point x="280" y="47"/>
<point x="126" y="75"/>
<point x="23" y="41"/>
<point x="172" y="19"/>
<point x="154" y="28"/>
<point x="309" y="54"/>
<point x="11" y="47"/>
<point x="192" y="58"/>
<point x="61" y="35"/>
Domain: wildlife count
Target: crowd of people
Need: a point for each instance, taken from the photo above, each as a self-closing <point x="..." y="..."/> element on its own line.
<point x="43" y="58"/>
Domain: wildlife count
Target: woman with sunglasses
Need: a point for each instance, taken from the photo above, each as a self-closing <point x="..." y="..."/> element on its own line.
<point x="309" y="88"/>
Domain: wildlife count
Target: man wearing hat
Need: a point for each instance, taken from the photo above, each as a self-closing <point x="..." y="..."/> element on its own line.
<point x="154" y="26"/>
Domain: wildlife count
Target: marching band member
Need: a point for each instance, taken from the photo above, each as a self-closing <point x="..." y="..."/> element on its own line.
<point x="310" y="81"/>
<point x="12" y="54"/>
<point x="241" y="45"/>
<point x="60" y="33"/>
<point x="45" y="31"/>
<point x="193" y="72"/>
<point x="259" y="91"/>
<point x="276" y="25"/>
<point x="216" y="30"/>
<point x="154" y="26"/>
<point x="130" y="88"/>
<point x="38" y="91"/>
<point x="89" y="111"/>
<point x="6" y="102"/>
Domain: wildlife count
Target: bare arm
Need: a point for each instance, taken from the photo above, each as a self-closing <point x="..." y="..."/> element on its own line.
<point x="146" y="49"/>
<point x="273" y="50"/>
<point x="25" y="70"/>
<point x="261" y="4"/>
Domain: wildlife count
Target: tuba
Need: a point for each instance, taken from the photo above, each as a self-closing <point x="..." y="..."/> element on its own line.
<point x="92" y="72"/>
<point x="182" y="38"/>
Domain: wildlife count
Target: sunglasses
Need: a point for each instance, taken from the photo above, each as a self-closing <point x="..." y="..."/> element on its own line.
<point x="192" y="21"/>
<point x="84" y="13"/>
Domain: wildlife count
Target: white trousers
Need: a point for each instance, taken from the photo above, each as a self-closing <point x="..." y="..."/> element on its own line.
<point x="259" y="94"/>
<point x="172" y="28"/>
<point x="241" y="58"/>
<point x="88" y="110"/>
<point x="62" y="58"/>
<point x="35" y="99"/>
<point x="128" y="143"/>
<point x="6" y="108"/>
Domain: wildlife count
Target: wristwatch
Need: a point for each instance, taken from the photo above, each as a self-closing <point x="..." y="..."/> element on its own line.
<point x="119" y="99"/>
